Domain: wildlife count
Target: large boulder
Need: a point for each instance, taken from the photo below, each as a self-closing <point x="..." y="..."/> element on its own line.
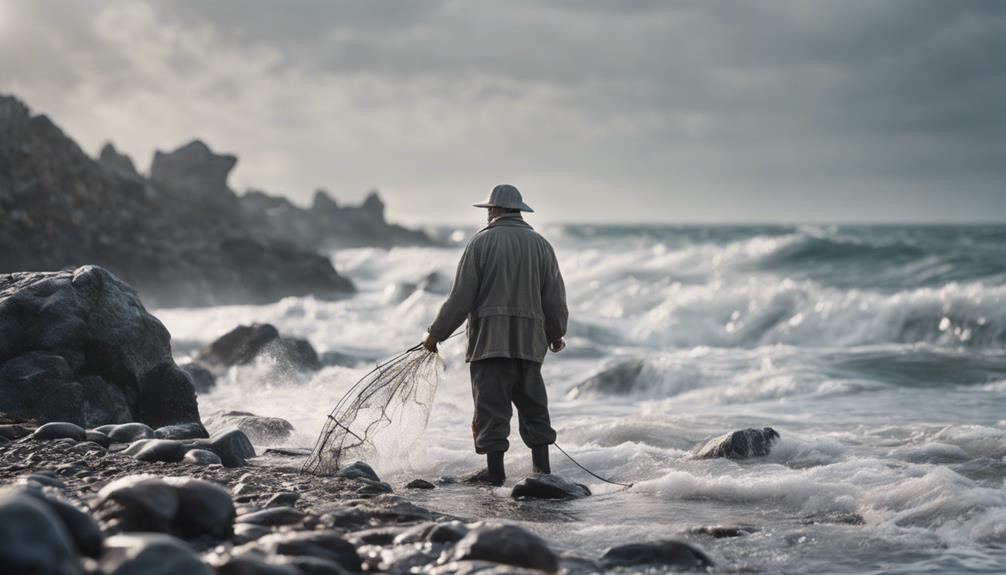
<point x="245" y="343"/>
<point x="740" y="444"/>
<point x="78" y="346"/>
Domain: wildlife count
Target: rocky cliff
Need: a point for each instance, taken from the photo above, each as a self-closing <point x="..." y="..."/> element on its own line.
<point x="182" y="237"/>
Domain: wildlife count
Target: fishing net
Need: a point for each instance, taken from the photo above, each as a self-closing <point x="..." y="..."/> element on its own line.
<point x="386" y="411"/>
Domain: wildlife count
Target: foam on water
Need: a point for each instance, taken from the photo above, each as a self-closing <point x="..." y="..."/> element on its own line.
<point x="877" y="353"/>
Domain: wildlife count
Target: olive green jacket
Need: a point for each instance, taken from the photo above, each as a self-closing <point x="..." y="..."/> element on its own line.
<point x="509" y="288"/>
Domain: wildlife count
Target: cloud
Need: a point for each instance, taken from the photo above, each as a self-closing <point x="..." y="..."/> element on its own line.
<point x="709" y="110"/>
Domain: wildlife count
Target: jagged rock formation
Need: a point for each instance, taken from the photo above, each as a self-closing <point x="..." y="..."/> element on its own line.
<point x="181" y="237"/>
<point x="78" y="346"/>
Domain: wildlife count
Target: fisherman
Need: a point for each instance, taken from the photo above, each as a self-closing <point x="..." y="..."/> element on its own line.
<point x="509" y="288"/>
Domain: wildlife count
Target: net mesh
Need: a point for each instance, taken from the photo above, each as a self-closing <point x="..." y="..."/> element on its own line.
<point x="386" y="411"/>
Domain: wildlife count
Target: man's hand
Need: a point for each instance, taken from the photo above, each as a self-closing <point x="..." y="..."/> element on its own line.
<point x="430" y="343"/>
<point x="557" y="345"/>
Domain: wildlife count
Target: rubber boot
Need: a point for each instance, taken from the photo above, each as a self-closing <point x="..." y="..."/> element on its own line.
<point x="494" y="465"/>
<point x="539" y="460"/>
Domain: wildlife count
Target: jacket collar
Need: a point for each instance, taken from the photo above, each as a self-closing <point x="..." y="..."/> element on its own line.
<point x="510" y="220"/>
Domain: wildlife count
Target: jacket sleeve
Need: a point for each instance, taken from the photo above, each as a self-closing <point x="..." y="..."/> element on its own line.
<point x="553" y="301"/>
<point x="461" y="301"/>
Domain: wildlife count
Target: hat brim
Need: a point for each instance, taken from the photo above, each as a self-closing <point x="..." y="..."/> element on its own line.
<point x="522" y="207"/>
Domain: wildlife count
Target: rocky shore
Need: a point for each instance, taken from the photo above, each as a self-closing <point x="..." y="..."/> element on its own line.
<point x="180" y="235"/>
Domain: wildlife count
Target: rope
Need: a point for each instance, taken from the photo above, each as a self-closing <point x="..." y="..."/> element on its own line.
<point x="577" y="463"/>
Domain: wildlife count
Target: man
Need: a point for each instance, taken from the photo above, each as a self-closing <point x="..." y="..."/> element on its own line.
<point x="509" y="288"/>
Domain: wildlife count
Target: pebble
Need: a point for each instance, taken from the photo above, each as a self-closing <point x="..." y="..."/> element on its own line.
<point x="32" y="538"/>
<point x="273" y="516"/>
<point x="150" y="554"/>
<point x="60" y="430"/>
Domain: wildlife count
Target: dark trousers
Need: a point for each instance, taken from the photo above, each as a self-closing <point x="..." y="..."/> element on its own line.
<point x="498" y="384"/>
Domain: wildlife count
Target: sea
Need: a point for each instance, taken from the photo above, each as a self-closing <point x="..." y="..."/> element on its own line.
<point x="878" y="353"/>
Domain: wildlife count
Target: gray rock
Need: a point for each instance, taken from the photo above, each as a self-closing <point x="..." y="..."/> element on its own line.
<point x="166" y="450"/>
<point x="443" y="533"/>
<point x="231" y="445"/>
<point x="97" y="437"/>
<point x="480" y="568"/>
<point x="33" y="539"/>
<point x="246" y="532"/>
<point x="254" y="564"/>
<point x="83" y="529"/>
<point x="548" y="487"/>
<point x="138" y="503"/>
<point x="202" y="378"/>
<point x="619" y="378"/>
<point x="504" y="543"/>
<point x="204" y="509"/>
<point x="259" y="429"/>
<point x="13" y="431"/>
<point x="357" y="470"/>
<point x="677" y="555"/>
<point x="201" y="457"/>
<point x="60" y="430"/>
<point x="420" y="484"/>
<point x="130" y="432"/>
<point x="273" y="516"/>
<point x="193" y="430"/>
<point x="90" y="325"/>
<point x="308" y="565"/>
<point x="244" y="343"/>
<point x="43" y="480"/>
<point x="283" y="499"/>
<point x="150" y="554"/>
<point x="112" y="160"/>
<point x="325" y="545"/>
<point x="741" y="444"/>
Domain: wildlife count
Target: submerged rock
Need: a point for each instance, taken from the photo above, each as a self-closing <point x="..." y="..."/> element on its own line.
<point x="617" y="379"/>
<point x="245" y="343"/>
<point x="324" y="545"/>
<point x="78" y="346"/>
<point x="420" y="484"/>
<point x="741" y="444"/>
<point x="677" y="555"/>
<point x="259" y="429"/>
<point x="33" y="539"/>
<point x="504" y="543"/>
<point x="548" y="487"/>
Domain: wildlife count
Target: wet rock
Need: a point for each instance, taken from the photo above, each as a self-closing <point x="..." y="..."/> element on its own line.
<point x="13" y="431"/>
<point x="83" y="530"/>
<point x="246" y="532"/>
<point x="166" y="450"/>
<point x="201" y="457"/>
<point x="741" y="444"/>
<point x="668" y="553"/>
<point x="504" y="543"/>
<point x="260" y="430"/>
<point x="193" y="430"/>
<point x="244" y="343"/>
<point x="43" y="480"/>
<point x="358" y="470"/>
<point x="615" y="379"/>
<point x="284" y="499"/>
<point x="308" y="565"/>
<point x="420" y="484"/>
<point x="150" y="554"/>
<point x="548" y="487"/>
<point x="80" y="343"/>
<point x="325" y="545"/>
<point x="33" y="539"/>
<point x="231" y="445"/>
<point x="60" y="430"/>
<point x="97" y="437"/>
<point x="480" y="568"/>
<point x="204" y="509"/>
<point x="130" y="432"/>
<point x="137" y="503"/>
<point x="273" y="516"/>
<point x="203" y="379"/>
<point x="254" y="564"/>
<point x="442" y="533"/>
<point x="722" y="531"/>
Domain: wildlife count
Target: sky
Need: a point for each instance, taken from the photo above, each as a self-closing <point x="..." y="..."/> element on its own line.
<point x="644" y="111"/>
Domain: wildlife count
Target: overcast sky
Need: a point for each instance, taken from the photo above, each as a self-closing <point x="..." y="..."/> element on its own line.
<point x="656" y="111"/>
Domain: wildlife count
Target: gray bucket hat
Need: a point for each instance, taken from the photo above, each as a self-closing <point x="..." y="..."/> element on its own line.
<point x="505" y="196"/>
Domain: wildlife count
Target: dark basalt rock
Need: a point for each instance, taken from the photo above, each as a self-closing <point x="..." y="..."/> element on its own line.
<point x="259" y="429"/>
<point x="130" y="432"/>
<point x="60" y="430"/>
<point x="137" y="503"/>
<point x="120" y="164"/>
<point x="150" y="554"/>
<point x="357" y="470"/>
<point x="201" y="457"/>
<point x="504" y="543"/>
<point x="204" y="509"/>
<point x="78" y="346"/>
<point x="741" y="444"/>
<point x="83" y="530"/>
<point x="325" y="545"/>
<point x="617" y="379"/>
<point x="97" y="437"/>
<point x="677" y="555"/>
<point x="254" y="564"/>
<point x="273" y="516"/>
<point x="181" y="431"/>
<point x="420" y="484"/>
<point x="231" y="445"/>
<point x="284" y="499"/>
<point x="166" y="450"/>
<point x="244" y="343"/>
<point x="548" y="487"/>
<point x="202" y="378"/>
<point x="33" y="539"/>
